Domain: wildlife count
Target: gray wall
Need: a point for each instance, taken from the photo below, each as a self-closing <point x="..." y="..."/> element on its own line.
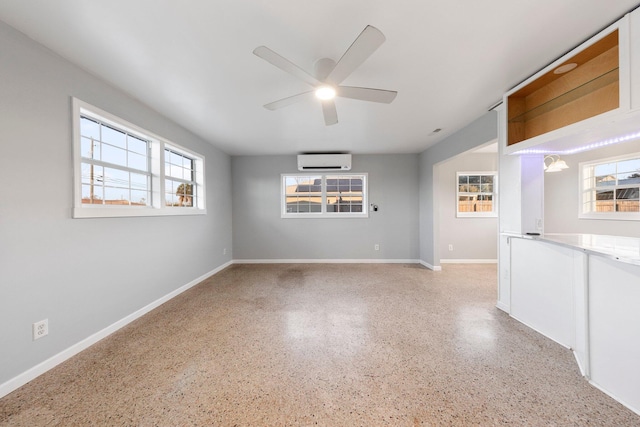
<point x="260" y="233"/>
<point x="561" y="197"/>
<point x="473" y="238"/>
<point x="475" y="134"/>
<point x="83" y="274"/>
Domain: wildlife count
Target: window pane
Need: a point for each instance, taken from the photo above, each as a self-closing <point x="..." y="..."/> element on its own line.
<point x="137" y="145"/>
<point x="89" y="128"/>
<point x="175" y="171"/>
<point x="486" y="179"/>
<point x="629" y="178"/>
<point x="605" y="180"/>
<point x="137" y="161"/>
<point x="178" y="194"/>
<point x="604" y="201"/>
<point x="184" y="192"/>
<point x="114" y="137"/>
<point x="91" y="173"/>
<point x="114" y="155"/>
<point x="139" y="198"/>
<point x="627" y="199"/>
<point x="92" y="194"/>
<point x="604" y="169"/>
<point x="487" y="188"/>
<point x="632" y="165"/>
<point x="627" y="193"/>
<point x="463" y="179"/>
<point x="175" y="158"/>
<point x="187" y="163"/>
<point x="474" y="179"/>
<point x="466" y="204"/>
<point x="171" y="199"/>
<point x="116" y="178"/>
<point x="116" y="196"/>
<point x="90" y="150"/>
<point x="303" y="194"/>
<point x="139" y="182"/>
<point x="604" y="195"/>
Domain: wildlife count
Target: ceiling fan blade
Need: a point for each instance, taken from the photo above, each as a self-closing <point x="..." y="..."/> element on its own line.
<point x="366" y="94"/>
<point x="364" y="45"/>
<point x="285" y="65"/>
<point x="330" y="113"/>
<point x="289" y="100"/>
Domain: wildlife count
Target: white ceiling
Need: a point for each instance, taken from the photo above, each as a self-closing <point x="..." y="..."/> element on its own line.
<point x="192" y="61"/>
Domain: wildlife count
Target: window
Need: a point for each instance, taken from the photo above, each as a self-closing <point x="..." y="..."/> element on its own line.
<point x="118" y="170"/>
<point x="115" y="165"/>
<point x="180" y="173"/>
<point x="332" y="195"/>
<point x="476" y="194"/>
<point x="610" y="188"/>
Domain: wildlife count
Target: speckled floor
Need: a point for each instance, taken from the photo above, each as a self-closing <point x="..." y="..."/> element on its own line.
<point x="320" y="344"/>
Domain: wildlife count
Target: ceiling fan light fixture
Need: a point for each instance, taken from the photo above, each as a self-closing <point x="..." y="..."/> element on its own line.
<point x="325" y="93"/>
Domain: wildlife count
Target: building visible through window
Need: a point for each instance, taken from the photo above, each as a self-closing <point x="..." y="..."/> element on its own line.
<point x="330" y="195"/>
<point x="611" y="188"/>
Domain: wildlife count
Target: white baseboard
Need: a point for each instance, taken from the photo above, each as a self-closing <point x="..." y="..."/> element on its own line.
<point x="55" y="360"/>
<point x="326" y="261"/>
<point x="614" y="397"/>
<point x="502" y="306"/>
<point x="431" y="267"/>
<point x="468" y="261"/>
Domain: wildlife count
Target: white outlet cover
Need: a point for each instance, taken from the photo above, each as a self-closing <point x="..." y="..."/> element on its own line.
<point x="40" y="329"/>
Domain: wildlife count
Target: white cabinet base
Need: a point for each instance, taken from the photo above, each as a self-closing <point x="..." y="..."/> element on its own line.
<point x="614" y="329"/>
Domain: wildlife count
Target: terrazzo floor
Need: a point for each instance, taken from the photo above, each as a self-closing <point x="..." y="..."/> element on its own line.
<point x="322" y="344"/>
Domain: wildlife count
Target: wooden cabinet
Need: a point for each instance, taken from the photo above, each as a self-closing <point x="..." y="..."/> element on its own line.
<point x="566" y="107"/>
<point x="582" y="86"/>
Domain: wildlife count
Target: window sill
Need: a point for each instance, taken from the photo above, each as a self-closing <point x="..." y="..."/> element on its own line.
<point x="620" y="216"/>
<point x="106" y="212"/>
<point x="324" y="216"/>
<point x="476" y="215"/>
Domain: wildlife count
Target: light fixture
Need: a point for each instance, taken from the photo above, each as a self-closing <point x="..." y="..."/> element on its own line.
<point x="556" y="164"/>
<point x="565" y="68"/>
<point x="325" y="93"/>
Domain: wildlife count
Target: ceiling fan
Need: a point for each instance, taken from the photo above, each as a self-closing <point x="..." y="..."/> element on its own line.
<point x="329" y="75"/>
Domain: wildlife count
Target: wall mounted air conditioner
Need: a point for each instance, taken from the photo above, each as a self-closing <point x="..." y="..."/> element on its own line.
<point x="320" y="162"/>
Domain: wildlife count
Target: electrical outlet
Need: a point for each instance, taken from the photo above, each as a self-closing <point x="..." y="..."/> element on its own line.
<point x="450" y="247"/>
<point x="376" y="247"/>
<point x="40" y="329"/>
<point x="224" y="251"/>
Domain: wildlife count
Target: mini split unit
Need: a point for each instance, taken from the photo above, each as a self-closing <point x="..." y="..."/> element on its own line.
<point x="319" y="162"/>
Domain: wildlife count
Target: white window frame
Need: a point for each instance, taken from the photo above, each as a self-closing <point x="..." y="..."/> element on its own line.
<point x="157" y="145"/>
<point x="323" y="213"/>
<point x="494" y="194"/>
<point x="587" y="190"/>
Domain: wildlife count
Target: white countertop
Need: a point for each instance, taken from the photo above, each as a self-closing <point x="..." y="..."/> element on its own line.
<point x="624" y="249"/>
